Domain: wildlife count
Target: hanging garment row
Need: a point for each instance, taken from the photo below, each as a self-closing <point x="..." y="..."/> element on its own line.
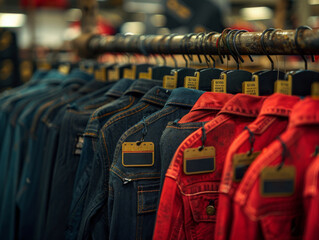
<point x="156" y="155"/>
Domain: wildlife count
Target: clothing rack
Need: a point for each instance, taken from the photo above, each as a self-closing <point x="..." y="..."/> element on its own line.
<point x="277" y="42"/>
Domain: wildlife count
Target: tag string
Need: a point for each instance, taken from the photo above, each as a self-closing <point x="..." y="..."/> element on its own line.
<point x="251" y="140"/>
<point x="316" y="153"/>
<point x="144" y="132"/>
<point x="284" y="153"/>
<point x="203" y="137"/>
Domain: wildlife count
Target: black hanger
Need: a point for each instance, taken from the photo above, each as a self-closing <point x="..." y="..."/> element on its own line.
<point x="181" y="73"/>
<point x="266" y="78"/>
<point x="158" y="72"/>
<point x="235" y="78"/>
<point x="206" y="75"/>
<point x="302" y="79"/>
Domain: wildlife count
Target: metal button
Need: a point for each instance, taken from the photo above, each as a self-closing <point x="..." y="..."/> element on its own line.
<point x="210" y="210"/>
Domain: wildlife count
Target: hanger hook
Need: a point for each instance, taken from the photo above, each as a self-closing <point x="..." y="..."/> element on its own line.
<point x="263" y="46"/>
<point x="298" y="46"/>
<point x="188" y="42"/>
<point x="185" y="47"/>
<point x="235" y="57"/>
<point x="170" y="37"/>
<point x="206" y="45"/>
<point x="200" y="47"/>
<point x="162" y="55"/>
<point x="218" y="44"/>
<point x="236" y="50"/>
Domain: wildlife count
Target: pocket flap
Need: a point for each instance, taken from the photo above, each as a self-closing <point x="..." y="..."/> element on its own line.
<point x="204" y="207"/>
<point x="147" y="197"/>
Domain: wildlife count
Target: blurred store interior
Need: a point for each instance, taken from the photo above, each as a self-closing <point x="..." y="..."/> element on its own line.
<point x="45" y="28"/>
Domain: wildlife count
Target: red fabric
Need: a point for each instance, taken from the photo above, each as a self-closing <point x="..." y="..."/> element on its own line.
<point x="182" y="209"/>
<point x="44" y="3"/>
<point x="206" y="107"/>
<point x="259" y="217"/>
<point x="272" y="121"/>
<point x="103" y="27"/>
<point x="311" y="201"/>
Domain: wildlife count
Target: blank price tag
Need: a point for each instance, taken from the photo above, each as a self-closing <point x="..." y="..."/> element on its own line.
<point x="134" y="155"/>
<point x="277" y="183"/>
<point x="196" y="161"/>
<point x="241" y="163"/>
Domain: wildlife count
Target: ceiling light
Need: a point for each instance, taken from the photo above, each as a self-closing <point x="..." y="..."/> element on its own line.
<point x="256" y="13"/>
<point x="12" y="19"/>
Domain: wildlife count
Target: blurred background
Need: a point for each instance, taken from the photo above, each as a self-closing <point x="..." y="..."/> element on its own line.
<point x="43" y="29"/>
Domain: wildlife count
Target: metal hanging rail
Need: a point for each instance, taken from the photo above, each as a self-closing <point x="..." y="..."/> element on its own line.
<point x="278" y="42"/>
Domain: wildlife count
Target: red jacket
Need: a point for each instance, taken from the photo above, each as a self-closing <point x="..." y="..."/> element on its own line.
<point x="189" y="202"/>
<point x="311" y="201"/>
<point x="272" y="121"/>
<point x="206" y="107"/>
<point x="268" y="202"/>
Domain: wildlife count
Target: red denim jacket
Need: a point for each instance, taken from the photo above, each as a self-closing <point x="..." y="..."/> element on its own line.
<point x="188" y="203"/>
<point x="206" y="107"/>
<point x="311" y="201"/>
<point x="272" y="121"/>
<point x="269" y="206"/>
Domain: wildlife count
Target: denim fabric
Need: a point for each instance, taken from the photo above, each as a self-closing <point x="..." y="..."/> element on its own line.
<point x="29" y="192"/>
<point x="21" y="104"/>
<point x="21" y="122"/>
<point x="72" y="127"/>
<point x="151" y="102"/>
<point x="173" y="135"/>
<point x="134" y="191"/>
<point x="204" y="110"/>
<point x="34" y="94"/>
<point x="30" y="179"/>
<point x="182" y="212"/>
<point x="133" y="94"/>
<point x="53" y="119"/>
<point x="6" y="109"/>
<point x="114" y="93"/>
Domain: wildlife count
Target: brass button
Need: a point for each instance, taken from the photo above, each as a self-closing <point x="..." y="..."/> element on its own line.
<point x="210" y="210"/>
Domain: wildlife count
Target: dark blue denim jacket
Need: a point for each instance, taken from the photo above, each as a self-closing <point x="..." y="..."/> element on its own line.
<point x="133" y="94"/>
<point x="151" y="102"/>
<point x="134" y="191"/>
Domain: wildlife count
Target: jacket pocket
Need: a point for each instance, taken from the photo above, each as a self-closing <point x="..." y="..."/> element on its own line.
<point x="147" y="198"/>
<point x="200" y="215"/>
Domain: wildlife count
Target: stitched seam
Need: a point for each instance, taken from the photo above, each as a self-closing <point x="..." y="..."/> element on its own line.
<point x="118" y="110"/>
<point x="92" y="134"/>
<point x="184" y="104"/>
<point x="125" y="114"/>
<point x="107" y="153"/>
<point x="146" y="211"/>
<point x="183" y="127"/>
<point x="149" y="191"/>
<point x="133" y="179"/>
<point x="97" y="104"/>
<point x="158" y="103"/>
<point x="150" y="98"/>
